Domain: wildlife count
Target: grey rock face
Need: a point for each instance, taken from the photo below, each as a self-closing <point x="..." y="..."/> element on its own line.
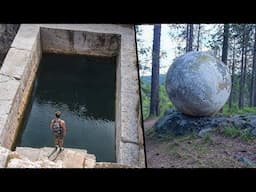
<point x="176" y="123"/>
<point x="198" y="84"/>
<point x="253" y="132"/>
<point x="247" y="162"/>
<point x="7" y="34"/>
<point x="203" y="132"/>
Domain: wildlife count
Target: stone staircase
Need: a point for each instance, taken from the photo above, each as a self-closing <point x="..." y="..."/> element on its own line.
<point x="27" y="157"/>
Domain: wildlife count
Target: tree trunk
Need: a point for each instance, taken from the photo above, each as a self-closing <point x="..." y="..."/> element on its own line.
<point x="232" y="77"/>
<point x="241" y="86"/>
<point x="224" y="55"/>
<point x="187" y="38"/>
<point x="253" y="80"/>
<point x="190" y="44"/>
<point x="225" y="44"/>
<point x="198" y="37"/>
<point x="245" y="61"/>
<point x="154" y="98"/>
<point x="245" y="73"/>
<point x="254" y="63"/>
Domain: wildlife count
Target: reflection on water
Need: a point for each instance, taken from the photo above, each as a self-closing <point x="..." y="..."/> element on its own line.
<point x="83" y="89"/>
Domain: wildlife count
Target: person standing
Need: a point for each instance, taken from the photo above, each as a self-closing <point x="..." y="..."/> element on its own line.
<point x="59" y="130"/>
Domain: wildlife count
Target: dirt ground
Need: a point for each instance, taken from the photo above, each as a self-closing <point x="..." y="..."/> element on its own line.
<point x="212" y="151"/>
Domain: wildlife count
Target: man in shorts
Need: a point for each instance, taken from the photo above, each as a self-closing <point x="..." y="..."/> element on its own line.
<point x="58" y="128"/>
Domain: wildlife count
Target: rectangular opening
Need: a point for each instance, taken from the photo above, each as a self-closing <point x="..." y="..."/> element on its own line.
<point x="83" y="88"/>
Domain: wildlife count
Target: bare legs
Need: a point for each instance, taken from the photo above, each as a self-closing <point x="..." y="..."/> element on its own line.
<point x="61" y="142"/>
<point x="58" y="142"/>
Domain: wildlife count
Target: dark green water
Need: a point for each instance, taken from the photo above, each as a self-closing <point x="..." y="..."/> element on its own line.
<point x="83" y="89"/>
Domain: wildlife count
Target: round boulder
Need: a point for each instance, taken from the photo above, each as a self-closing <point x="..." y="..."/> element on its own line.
<point x="198" y="84"/>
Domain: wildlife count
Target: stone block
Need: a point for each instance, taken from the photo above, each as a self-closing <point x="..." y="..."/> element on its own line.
<point x="15" y="63"/>
<point x="129" y="81"/>
<point x="4" y="153"/>
<point x="8" y="87"/>
<point x="142" y="160"/>
<point x="29" y="152"/>
<point x="22" y="163"/>
<point x="72" y="159"/>
<point x="110" y="165"/>
<point x="129" y="119"/>
<point x="3" y="120"/>
<point x="129" y="154"/>
<point x="90" y="161"/>
<point x="49" y="164"/>
<point x="56" y="40"/>
<point x="26" y="36"/>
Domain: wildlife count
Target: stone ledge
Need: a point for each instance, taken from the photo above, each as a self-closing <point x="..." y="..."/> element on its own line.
<point x="4" y="154"/>
<point x="26" y="37"/>
<point x="27" y="157"/>
<point x="97" y="28"/>
<point x="79" y="42"/>
<point x="15" y="63"/>
<point x="110" y="165"/>
<point x="129" y="154"/>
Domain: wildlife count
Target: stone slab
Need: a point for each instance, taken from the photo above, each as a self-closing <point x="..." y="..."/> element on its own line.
<point x="129" y="154"/>
<point x="110" y="165"/>
<point x="129" y="119"/>
<point x="15" y="63"/>
<point x="29" y="152"/>
<point x="8" y="87"/>
<point x="4" y="153"/>
<point x="21" y="163"/>
<point x="90" y="161"/>
<point x="26" y="36"/>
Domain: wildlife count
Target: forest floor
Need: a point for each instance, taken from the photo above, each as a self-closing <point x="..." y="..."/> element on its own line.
<point x="215" y="150"/>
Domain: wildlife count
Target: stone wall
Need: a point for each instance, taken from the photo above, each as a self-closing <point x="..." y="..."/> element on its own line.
<point x="79" y="42"/>
<point x="17" y="73"/>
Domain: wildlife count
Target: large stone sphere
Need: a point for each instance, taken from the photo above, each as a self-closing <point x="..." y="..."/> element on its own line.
<point x="198" y="84"/>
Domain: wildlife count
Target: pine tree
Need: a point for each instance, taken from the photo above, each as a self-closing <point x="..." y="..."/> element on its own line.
<point x="154" y="98"/>
<point x="189" y="39"/>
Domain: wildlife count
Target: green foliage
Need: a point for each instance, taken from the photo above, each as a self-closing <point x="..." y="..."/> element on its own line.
<point x="235" y="132"/>
<point x="245" y="135"/>
<point x="193" y="136"/>
<point x="164" y="104"/>
<point x="145" y="94"/>
<point x="232" y="132"/>
<point x="207" y="138"/>
<point x="235" y="110"/>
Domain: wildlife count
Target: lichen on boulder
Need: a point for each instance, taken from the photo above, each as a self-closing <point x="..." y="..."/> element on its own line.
<point x="198" y="84"/>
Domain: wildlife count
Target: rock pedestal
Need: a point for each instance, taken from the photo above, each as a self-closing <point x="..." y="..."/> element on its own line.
<point x="176" y="123"/>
